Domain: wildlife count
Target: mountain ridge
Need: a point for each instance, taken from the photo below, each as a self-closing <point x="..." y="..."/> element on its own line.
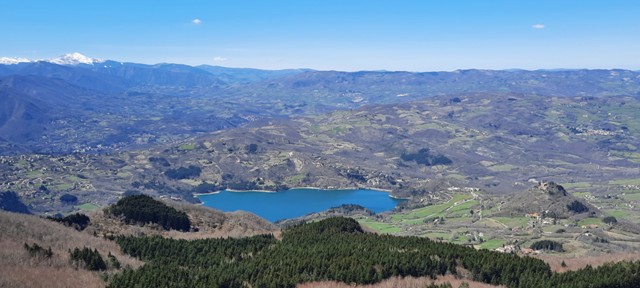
<point x="188" y="101"/>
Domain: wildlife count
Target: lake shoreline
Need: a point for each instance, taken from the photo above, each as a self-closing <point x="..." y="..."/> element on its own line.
<point x="196" y="195"/>
<point x="298" y="201"/>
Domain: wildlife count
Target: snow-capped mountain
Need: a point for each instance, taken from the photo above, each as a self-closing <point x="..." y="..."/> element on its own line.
<point x="14" y="60"/>
<point x="67" y="59"/>
<point x="74" y="59"/>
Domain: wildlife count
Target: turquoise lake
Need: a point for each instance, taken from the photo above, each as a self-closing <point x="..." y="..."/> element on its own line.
<point x="297" y="202"/>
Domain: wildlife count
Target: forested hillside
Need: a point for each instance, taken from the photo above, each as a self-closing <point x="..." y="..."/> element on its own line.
<point x="337" y="249"/>
<point x="142" y="209"/>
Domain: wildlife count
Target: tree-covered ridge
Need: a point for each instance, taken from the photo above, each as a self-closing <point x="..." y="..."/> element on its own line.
<point x="78" y="221"/>
<point x="142" y="209"/>
<point x="337" y="249"/>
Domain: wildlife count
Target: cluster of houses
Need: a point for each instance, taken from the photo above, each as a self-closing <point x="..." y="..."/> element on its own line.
<point x="512" y="248"/>
<point x="539" y="218"/>
<point x="591" y="132"/>
<point x="174" y="198"/>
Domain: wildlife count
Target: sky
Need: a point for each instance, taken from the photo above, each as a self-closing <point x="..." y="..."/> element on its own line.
<point x="347" y="35"/>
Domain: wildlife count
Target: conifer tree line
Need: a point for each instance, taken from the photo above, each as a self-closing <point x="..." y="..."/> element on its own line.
<point x="142" y="209"/>
<point x="547" y="245"/>
<point x="337" y="249"/>
<point x="36" y="250"/>
<point x="88" y="259"/>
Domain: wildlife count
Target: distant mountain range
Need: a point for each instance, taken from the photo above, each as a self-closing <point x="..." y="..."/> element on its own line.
<point x="131" y="75"/>
<point x="78" y="103"/>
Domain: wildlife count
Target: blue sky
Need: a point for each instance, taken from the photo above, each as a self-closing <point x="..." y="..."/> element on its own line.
<point x="331" y="35"/>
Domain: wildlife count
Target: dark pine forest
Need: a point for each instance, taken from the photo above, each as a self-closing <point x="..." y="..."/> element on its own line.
<point x="338" y="249"/>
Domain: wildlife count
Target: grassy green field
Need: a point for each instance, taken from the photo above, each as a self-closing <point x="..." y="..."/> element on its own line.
<point x="619" y="214"/>
<point x="35" y="174"/>
<point x="633" y="181"/>
<point x="459" y="226"/>
<point x="590" y="221"/>
<point x="424" y="212"/>
<point x="88" y="207"/>
<point x="492" y="244"/>
<point x="462" y="239"/>
<point x="464" y="207"/>
<point x="502" y="168"/>
<point x="295" y="178"/>
<point x="379" y="226"/>
<point x="62" y="186"/>
<point x="416" y="221"/>
<point x="187" y="147"/>
<point x="447" y="209"/>
<point x="632" y="196"/>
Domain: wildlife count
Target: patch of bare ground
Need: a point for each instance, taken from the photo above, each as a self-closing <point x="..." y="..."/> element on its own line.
<point x="19" y="269"/>
<point x="578" y="262"/>
<point x="405" y="282"/>
<point x="211" y="223"/>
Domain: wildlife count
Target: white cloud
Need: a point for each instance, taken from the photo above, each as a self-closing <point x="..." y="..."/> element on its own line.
<point x="196" y="21"/>
<point x="537" y="26"/>
<point x="219" y="59"/>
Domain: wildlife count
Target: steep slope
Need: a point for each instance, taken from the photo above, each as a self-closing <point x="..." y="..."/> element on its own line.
<point x="10" y="202"/>
<point x="29" y="104"/>
<point x="56" y="93"/>
<point x="21" y="119"/>
<point x="19" y="269"/>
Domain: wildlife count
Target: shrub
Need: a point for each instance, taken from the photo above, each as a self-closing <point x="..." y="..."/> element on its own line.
<point x="252" y="148"/>
<point x="68" y="199"/>
<point x="610" y="220"/>
<point x="577" y="207"/>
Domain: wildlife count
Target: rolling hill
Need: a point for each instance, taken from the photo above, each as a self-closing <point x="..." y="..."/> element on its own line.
<point x="140" y="104"/>
<point x="494" y="142"/>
